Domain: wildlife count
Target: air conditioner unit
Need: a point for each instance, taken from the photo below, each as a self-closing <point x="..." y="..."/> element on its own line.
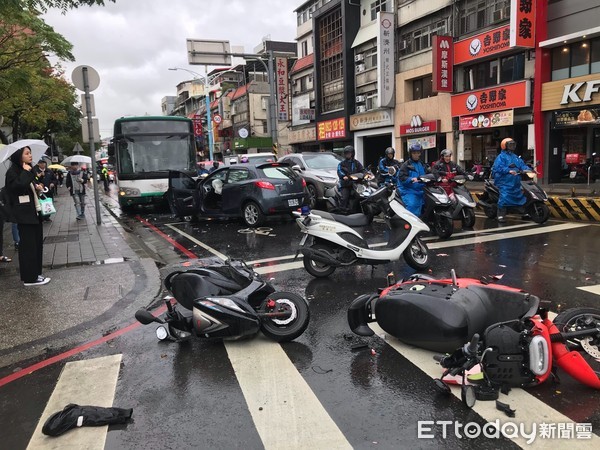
<point x="360" y="68"/>
<point x="359" y="57"/>
<point x="361" y="109"/>
<point x="497" y="15"/>
<point x="402" y="45"/>
<point x="360" y="99"/>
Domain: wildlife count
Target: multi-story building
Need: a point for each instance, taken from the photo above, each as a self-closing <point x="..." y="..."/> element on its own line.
<point x="249" y="105"/>
<point x="568" y="76"/>
<point x="190" y="95"/>
<point x="167" y="104"/>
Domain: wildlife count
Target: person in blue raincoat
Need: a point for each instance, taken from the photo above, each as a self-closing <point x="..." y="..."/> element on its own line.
<point x="507" y="179"/>
<point x="384" y="167"/>
<point x="348" y="166"/>
<point x="409" y="187"/>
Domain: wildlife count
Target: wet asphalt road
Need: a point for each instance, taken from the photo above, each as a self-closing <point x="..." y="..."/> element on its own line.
<point x="188" y="396"/>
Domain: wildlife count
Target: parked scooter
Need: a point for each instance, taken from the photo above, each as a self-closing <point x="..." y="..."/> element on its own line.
<point x="363" y="186"/>
<point x="535" y="206"/>
<point x="463" y="203"/>
<point x="438" y="209"/>
<point x="227" y="300"/>
<point x="336" y="242"/>
<point x="523" y="352"/>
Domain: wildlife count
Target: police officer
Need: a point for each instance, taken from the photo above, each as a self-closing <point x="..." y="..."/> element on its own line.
<point x="347" y="167"/>
<point x="384" y="166"/>
<point x="410" y="189"/>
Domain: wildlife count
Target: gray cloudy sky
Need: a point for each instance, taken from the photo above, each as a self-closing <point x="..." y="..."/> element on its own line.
<point x="132" y="43"/>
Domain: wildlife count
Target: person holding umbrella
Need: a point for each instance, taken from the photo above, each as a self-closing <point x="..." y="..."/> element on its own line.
<point x="25" y="206"/>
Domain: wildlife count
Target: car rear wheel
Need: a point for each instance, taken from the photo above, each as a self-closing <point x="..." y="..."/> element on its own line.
<point x="252" y="216"/>
<point x="312" y="195"/>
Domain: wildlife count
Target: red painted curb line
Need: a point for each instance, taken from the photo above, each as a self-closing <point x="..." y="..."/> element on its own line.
<point x="168" y="238"/>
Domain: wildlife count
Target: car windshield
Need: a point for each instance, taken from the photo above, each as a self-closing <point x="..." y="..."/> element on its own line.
<point x="326" y="161"/>
<point x="278" y="172"/>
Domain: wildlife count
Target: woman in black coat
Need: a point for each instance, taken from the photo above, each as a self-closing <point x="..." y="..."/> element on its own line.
<point x="23" y="195"/>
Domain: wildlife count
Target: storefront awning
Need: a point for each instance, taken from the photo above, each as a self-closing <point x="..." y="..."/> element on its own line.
<point x="365" y="34"/>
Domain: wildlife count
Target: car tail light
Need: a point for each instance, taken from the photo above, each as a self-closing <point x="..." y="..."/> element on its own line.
<point x="265" y="185"/>
<point x="303" y="183"/>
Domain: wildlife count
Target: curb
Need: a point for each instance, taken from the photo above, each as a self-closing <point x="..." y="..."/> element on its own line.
<point x="583" y="209"/>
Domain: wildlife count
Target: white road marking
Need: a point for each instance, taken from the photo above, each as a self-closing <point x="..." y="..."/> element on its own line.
<point x="529" y="409"/>
<point x="201" y="244"/>
<point x="593" y="289"/>
<point x="89" y="382"/>
<point x="276" y="393"/>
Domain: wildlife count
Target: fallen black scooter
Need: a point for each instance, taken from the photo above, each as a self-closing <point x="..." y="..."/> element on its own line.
<point x="227" y="300"/>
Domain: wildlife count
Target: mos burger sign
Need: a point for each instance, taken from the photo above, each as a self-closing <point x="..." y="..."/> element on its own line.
<point x="418" y="126"/>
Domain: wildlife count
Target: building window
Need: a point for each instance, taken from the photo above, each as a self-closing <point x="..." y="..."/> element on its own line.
<point x="577" y="59"/>
<point x="264" y="126"/>
<point x="331" y="63"/>
<point x="263" y="102"/>
<point x="493" y="72"/>
<point x="421" y="38"/>
<point x="477" y="14"/>
<point x="378" y="5"/>
<point x="422" y="88"/>
<point x="512" y="68"/>
<point x="304" y="48"/>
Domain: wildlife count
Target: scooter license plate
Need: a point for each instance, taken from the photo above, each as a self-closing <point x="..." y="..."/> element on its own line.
<point x="303" y="240"/>
<point x="293" y="202"/>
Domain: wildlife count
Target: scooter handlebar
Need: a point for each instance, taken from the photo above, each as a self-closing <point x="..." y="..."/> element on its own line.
<point x="471" y="348"/>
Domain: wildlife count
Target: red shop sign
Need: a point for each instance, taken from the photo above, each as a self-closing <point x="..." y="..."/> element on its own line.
<point x="506" y="96"/>
<point x="443" y="63"/>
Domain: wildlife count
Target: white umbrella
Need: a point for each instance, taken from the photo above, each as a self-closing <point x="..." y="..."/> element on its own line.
<point x="76" y="158"/>
<point x="38" y="148"/>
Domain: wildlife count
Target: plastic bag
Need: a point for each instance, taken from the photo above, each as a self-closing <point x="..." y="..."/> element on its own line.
<point x="47" y="206"/>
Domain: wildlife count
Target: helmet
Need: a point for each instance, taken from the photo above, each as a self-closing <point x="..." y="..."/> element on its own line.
<point x="244" y="159"/>
<point x="446" y="152"/>
<point x="508" y="144"/>
<point x="415" y="148"/>
<point x="390" y="152"/>
<point x="349" y="149"/>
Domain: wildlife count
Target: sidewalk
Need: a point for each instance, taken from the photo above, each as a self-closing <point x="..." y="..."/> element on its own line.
<point x="98" y="282"/>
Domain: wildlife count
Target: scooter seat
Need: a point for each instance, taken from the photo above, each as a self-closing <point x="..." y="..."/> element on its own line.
<point x="188" y="286"/>
<point x="352" y="220"/>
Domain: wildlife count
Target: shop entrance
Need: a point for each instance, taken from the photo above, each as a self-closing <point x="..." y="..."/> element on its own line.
<point x="374" y="149"/>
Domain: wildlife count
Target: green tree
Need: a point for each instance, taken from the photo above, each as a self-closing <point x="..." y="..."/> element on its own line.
<point x="43" y="5"/>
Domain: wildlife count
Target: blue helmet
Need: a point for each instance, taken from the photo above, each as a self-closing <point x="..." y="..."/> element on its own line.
<point x="415" y="148"/>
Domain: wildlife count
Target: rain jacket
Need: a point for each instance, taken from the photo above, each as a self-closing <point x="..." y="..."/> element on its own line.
<point x="346" y="168"/>
<point x="508" y="185"/>
<point x="448" y="171"/>
<point x="411" y="193"/>
<point x="384" y="164"/>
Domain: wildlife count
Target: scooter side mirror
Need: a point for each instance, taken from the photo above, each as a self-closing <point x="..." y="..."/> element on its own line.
<point x="145" y="317"/>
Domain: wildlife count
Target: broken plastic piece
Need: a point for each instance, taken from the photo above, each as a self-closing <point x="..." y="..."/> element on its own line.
<point x="505" y="409"/>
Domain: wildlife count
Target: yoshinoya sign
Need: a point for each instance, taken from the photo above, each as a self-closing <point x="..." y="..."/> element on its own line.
<point x="522" y="23"/>
<point x="482" y="45"/>
<point x="574" y="92"/>
<point x="418" y="126"/>
<point x="505" y="96"/>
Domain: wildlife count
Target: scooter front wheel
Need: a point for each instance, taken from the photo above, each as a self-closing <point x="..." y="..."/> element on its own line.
<point x="443" y="226"/>
<point x="468" y="219"/>
<point x="539" y="212"/>
<point x="286" y="328"/>
<point x="416" y="255"/>
<point x="316" y="268"/>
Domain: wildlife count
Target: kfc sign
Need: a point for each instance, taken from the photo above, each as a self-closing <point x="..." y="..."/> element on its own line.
<point x="571" y="92"/>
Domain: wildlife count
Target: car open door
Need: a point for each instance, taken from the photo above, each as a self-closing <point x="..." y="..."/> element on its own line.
<point x="182" y="195"/>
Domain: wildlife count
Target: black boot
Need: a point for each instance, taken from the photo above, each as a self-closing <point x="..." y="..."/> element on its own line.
<point x="501" y="215"/>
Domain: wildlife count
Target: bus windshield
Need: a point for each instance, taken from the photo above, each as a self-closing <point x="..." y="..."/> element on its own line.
<point x="145" y="146"/>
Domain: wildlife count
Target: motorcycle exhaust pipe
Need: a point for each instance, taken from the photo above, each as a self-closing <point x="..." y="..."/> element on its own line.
<point x="320" y="256"/>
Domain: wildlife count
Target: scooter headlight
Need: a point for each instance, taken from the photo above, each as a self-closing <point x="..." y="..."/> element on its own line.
<point x="538" y="355"/>
<point x="226" y="302"/>
<point x="465" y="201"/>
<point x="360" y="188"/>
<point x="442" y="198"/>
<point x="161" y="333"/>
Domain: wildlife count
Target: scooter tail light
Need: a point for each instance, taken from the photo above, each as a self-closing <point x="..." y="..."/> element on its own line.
<point x="265" y="185"/>
<point x="539" y="355"/>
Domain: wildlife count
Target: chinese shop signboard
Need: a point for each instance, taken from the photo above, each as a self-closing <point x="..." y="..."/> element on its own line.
<point x="482" y="45"/>
<point x="576" y="118"/>
<point x="443" y="62"/>
<point x="197" y="121"/>
<point x="506" y="96"/>
<point x="385" y="59"/>
<point x="331" y="129"/>
<point x="487" y="120"/>
<point x="282" y="88"/>
<point x="522" y="23"/>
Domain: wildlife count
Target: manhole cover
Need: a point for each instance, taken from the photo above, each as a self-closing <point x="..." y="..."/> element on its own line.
<point x="59" y="239"/>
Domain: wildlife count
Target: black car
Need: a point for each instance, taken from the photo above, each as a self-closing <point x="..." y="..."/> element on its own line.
<point x="249" y="191"/>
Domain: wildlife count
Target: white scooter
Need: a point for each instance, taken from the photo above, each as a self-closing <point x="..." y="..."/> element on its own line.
<point x="335" y="242"/>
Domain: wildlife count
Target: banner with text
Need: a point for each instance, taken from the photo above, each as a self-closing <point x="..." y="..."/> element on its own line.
<point x="281" y="66"/>
<point x="443" y="63"/>
<point x="522" y="23"/>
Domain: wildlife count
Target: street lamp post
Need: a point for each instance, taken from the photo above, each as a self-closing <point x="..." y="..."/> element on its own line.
<point x="207" y="99"/>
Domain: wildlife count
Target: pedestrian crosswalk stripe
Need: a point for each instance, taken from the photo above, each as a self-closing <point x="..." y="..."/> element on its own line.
<point x="592" y="289"/>
<point x="276" y="393"/>
<point x="87" y="382"/>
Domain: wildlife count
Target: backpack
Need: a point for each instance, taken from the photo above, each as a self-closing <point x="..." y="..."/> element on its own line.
<point x="5" y="206"/>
